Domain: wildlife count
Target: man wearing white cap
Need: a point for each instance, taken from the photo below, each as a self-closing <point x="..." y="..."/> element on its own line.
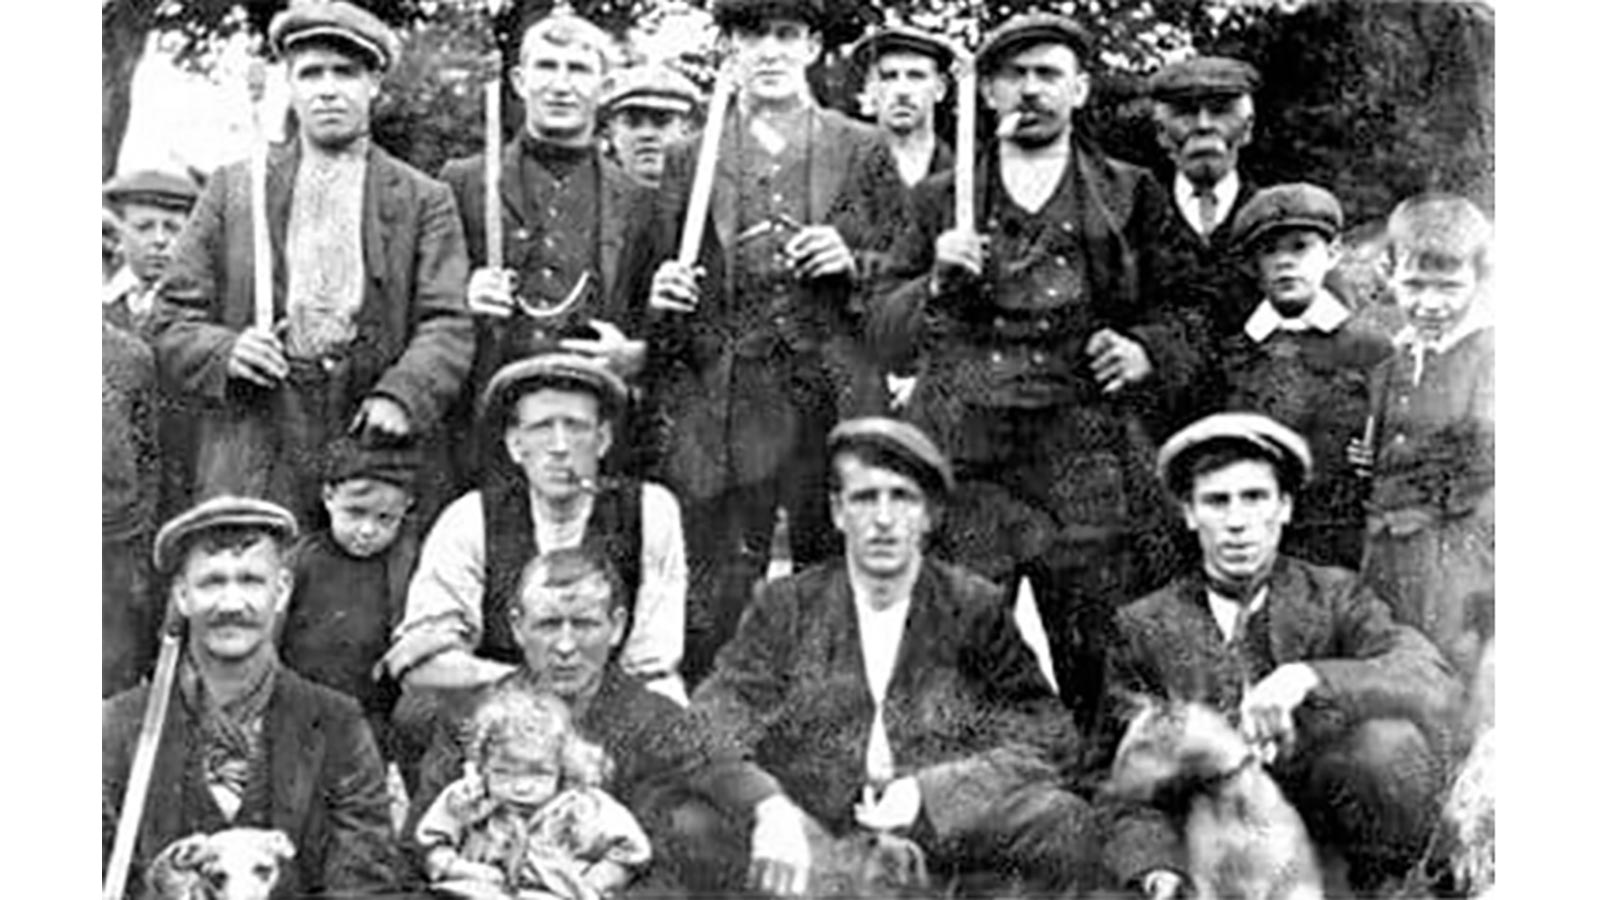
<point x="645" y="109"/>
<point x="1351" y="710"/>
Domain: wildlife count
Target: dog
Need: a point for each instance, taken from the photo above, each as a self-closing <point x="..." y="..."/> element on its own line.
<point x="236" y="864"/>
<point x="1244" y="840"/>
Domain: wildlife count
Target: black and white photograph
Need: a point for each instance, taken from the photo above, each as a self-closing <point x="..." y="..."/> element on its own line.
<point x="779" y="449"/>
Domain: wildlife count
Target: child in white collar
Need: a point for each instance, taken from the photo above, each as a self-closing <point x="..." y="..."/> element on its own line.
<point x="1302" y="360"/>
<point x="1430" y="534"/>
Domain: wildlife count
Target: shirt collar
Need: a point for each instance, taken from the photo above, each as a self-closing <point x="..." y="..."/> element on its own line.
<point x="124" y="282"/>
<point x="1227" y="191"/>
<point x="1324" y="314"/>
<point x="1477" y="319"/>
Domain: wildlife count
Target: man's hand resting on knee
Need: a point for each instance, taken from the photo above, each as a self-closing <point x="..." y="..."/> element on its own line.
<point x="780" y="857"/>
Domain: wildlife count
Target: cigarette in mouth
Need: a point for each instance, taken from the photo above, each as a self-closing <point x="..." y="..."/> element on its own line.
<point x="1008" y="125"/>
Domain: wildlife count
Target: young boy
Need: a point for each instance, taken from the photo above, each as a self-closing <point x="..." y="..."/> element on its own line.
<point x="350" y="578"/>
<point x="1302" y="360"/>
<point x="1430" y="532"/>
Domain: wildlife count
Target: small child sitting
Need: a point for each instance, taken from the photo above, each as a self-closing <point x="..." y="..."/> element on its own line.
<point x="1303" y="360"/>
<point x="350" y="579"/>
<point x="529" y="813"/>
<point x="1430" y="528"/>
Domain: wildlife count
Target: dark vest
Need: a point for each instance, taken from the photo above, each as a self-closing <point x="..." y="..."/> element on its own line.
<point x="615" y="531"/>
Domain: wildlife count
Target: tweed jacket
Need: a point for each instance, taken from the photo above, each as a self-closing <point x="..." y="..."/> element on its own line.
<point x="414" y="343"/>
<point x="1368" y="666"/>
<point x="967" y="710"/>
<point x="1133" y="283"/>
<point x="725" y="428"/>
<point x="327" y="786"/>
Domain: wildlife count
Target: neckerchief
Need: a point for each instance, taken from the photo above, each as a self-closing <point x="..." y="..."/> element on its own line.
<point x="230" y="734"/>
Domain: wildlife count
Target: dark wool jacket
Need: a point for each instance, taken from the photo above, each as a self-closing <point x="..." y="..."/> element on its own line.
<point x="1369" y="667"/>
<point x="967" y="711"/>
<point x="1135" y="285"/>
<point x="327" y="787"/>
<point x="414" y="343"/>
<point x="130" y="466"/>
<point x="725" y="430"/>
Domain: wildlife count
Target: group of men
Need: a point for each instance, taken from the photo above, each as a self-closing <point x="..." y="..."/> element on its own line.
<point x="939" y="410"/>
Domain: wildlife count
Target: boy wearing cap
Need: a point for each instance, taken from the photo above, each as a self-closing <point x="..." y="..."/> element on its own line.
<point x="645" y="109"/>
<point x="761" y="347"/>
<point x="350" y="578"/>
<point x="1430" y="529"/>
<point x="247" y="742"/>
<point x="891" y="691"/>
<point x="151" y="208"/>
<point x="370" y="330"/>
<point x="1351" y="709"/>
<point x="1302" y="360"/>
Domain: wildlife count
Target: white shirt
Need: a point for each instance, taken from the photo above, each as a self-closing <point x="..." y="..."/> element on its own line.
<point x="126" y="284"/>
<point x="881" y="631"/>
<point x="444" y="605"/>
<point x="1230" y="614"/>
<point x="1188" y="196"/>
<point x="1324" y="313"/>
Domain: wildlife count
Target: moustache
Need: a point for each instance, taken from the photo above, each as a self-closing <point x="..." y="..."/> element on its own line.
<point x="233" y="620"/>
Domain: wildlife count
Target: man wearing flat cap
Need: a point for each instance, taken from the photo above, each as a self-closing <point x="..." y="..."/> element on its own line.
<point x="573" y="222"/>
<point x="1350" y="710"/>
<point x="151" y="208"/>
<point x="760" y="344"/>
<point x="645" y="109"/>
<point x="1204" y="113"/>
<point x="890" y="691"/>
<point x="553" y="416"/>
<point x="904" y="79"/>
<point x="370" y="334"/>
<point x="249" y="743"/>
<point x="1048" y="335"/>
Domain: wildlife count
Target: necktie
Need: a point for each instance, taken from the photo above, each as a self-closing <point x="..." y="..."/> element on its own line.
<point x="1207" y="198"/>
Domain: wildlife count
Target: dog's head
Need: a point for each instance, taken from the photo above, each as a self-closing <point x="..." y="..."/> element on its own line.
<point x="236" y="864"/>
<point x="1172" y="744"/>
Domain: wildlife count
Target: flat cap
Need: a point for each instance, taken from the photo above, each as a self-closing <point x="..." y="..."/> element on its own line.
<point x="337" y="20"/>
<point x="1297" y="205"/>
<point x="649" y="87"/>
<point x="902" y="441"/>
<point x="168" y="190"/>
<point x="348" y="458"/>
<point x="225" y="511"/>
<point x="902" y="39"/>
<point x="728" y="13"/>
<point x="1274" y="440"/>
<point x="564" y="370"/>
<point x="1204" y="76"/>
<point x="1022" y="31"/>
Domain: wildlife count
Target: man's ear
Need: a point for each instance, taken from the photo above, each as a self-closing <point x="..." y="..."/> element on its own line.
<point x="1080" y="89"/>
<point x="285" y="589"/>
<point x="836" y="510"/>
<point x="813" y="48"/>
<point x="619" y="624"/>
<point x="605" y="437"/>
<point x="942" y="88"/>
<point x="1188" y="516"/>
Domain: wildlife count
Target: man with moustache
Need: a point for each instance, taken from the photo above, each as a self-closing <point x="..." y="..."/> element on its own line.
<point x="1204" y="112"/>
<point x="1049" y="336"/>
<point x="572" y="218"/>
<point x="646" y="109"/>
<point x="248" y="743"/>
<point x="904" y="80"/>
<point x="759" y="346"/>
<point x="372" y="334"/>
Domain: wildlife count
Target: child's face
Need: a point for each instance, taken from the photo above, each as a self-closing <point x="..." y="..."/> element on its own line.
<point x="1292" y="264"/>
<point x="365" y="514"/>
<point x="1434" y="299"/>
<point x="527" y="775"/>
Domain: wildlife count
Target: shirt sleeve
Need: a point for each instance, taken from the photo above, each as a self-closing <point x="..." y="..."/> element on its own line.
<point x="654" y="648"/>
<point x="443" y="825"/>
<point x="619" y="833"/>
<point x="444" y="605"/>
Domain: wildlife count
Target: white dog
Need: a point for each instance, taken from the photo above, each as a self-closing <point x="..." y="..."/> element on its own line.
<point x="236" y="864"/>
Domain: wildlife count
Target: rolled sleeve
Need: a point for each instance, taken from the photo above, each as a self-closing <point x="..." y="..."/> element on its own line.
<point x="444" y="605"/>
<point x="654" y="648"/>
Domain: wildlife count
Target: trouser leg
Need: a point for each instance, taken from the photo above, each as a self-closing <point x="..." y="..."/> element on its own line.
<point x="1039" y="837"/>
<point x="729" y="542"/>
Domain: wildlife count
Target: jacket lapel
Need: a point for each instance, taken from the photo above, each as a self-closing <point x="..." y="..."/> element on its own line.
<point x="725" y="184"/>
<point x="513" y="190"/>
<point x="380" y="205"/>
<point x="1294" y="621"/>
<point x="282" y="169"/>
<point x="830" y="151"/>
<point x="613" y="219"/>
<point x="297" y="748"/>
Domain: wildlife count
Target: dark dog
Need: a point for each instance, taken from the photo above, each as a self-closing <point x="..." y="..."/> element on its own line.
<point x="1244" y="839"/>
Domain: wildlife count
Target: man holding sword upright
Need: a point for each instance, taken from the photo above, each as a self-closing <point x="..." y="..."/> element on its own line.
<point x="761" y="326"/>
<point x="1047" y="336"/>
<point x="369" y="330"/>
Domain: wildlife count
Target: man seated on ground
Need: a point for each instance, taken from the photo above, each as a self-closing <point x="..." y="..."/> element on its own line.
<point x="553" y="414"/>
<point x="1352" y="711"/>
<point x="248" y="743"/>
<point x="893" y="692"/>
<point x="687" y="789"/>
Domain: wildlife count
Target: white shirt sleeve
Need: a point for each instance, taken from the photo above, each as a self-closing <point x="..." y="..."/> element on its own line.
<point x="654" y="648"/>
<point x="444" y="605"/>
